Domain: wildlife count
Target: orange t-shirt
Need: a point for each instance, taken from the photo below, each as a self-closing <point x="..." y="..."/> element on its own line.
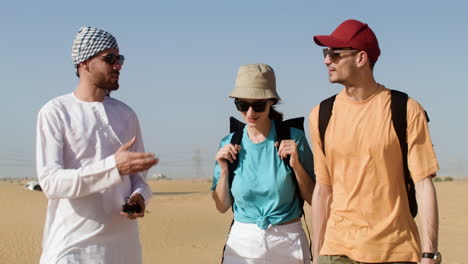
<point x="370" y="219"/>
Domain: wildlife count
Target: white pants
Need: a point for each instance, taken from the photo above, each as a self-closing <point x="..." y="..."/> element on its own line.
<point x="249" y="244"/>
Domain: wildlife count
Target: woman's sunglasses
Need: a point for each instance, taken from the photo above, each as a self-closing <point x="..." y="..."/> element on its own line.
<point x="111" y="59"/>
<point x="243" y="106"/>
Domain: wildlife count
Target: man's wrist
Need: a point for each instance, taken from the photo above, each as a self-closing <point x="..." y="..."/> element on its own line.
<point x="436" y="256"/>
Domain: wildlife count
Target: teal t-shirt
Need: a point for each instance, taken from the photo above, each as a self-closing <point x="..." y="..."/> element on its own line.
<point x="263" y="189"/>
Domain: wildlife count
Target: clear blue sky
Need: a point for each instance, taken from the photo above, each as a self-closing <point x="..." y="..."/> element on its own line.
<point x="182" y="58"/>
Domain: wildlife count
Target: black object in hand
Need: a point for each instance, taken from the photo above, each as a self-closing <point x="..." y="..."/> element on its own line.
<point x="131" y="209"/>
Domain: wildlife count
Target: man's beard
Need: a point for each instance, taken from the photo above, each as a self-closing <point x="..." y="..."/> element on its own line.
<point x="109" y="85"/>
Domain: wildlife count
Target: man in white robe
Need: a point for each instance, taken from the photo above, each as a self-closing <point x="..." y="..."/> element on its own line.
<point x="91" y="161"/>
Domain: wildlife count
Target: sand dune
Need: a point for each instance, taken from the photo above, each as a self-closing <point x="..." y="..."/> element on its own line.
<point x="182" y="225"/>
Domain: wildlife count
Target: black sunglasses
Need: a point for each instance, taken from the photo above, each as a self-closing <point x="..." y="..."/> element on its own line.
<point x="111" y="59"/>
<point x="244" y="106"/>
<point x="334" y="53"/>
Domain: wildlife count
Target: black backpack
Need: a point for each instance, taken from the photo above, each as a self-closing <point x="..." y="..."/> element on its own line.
<point x="398" y="108"/>
<point x="283" y="132"/>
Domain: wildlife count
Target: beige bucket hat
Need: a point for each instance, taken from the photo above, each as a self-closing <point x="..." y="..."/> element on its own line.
<point x="255" y="81"/>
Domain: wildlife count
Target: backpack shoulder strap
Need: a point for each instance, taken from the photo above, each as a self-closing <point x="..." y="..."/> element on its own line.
<point x="283" y="132"/>
<point x="398" y="107"/>
<point x="297" y="122"/>
<point x="399" y="101"/>
<point x="325" y="112"/>
<point x="283" y="128"/>
<point x="236" y="127"/>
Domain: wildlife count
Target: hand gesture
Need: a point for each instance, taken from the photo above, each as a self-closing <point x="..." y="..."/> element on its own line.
<point x="288" y="148"/>
<point x="227" y="153"/>
<point x="132" y="162"/>
<point x="136" y="198"/>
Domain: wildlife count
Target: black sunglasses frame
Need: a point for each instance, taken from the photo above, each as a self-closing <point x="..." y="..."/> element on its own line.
<point x="335" y="53"/>
<point x="243" y="106"/>
<point x="111" y="59"/>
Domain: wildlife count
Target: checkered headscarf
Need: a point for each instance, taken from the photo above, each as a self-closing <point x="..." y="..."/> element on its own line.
<point x="89" y="41"/>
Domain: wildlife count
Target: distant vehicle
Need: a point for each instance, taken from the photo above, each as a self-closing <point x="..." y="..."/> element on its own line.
<point x="33" y="186"/>
<point x="159" y="176"/>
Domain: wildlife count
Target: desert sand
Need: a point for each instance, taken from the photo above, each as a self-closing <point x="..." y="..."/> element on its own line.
<point x="183" y="226"/>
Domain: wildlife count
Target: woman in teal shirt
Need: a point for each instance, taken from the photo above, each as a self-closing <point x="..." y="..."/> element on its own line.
<point x="267" y="211"/>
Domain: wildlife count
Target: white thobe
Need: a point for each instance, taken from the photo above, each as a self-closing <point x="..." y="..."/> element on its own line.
<point x="76" y="167"/>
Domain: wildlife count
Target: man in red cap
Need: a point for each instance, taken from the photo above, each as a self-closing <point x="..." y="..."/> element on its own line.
<point x="361" y="205"/>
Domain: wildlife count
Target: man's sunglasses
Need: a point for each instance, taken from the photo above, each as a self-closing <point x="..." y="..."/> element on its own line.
<point x="334" y="53"/>
<point x="244" y="106"/>
<point x="111" y="59"/>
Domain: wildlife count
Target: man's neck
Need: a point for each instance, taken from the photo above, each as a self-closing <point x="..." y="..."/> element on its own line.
<point x="89" y="93"/>
<point x="362" y="91"/>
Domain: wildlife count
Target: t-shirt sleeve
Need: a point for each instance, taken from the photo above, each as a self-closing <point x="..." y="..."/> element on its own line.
<point x="217" y="169"/>
<point x="320" y="161"/>
<point x="305" y="153"/>
<point x="422" y="161"/>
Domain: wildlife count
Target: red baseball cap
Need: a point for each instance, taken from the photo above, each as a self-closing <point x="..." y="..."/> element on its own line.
<point x="352" y="34"/>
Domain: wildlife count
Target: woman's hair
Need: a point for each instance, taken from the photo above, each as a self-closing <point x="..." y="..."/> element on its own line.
<point x="275" y="115"/>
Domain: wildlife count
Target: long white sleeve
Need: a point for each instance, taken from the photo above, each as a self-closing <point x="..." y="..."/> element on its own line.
<point x="58" y="182"/>
<point x="138" y="181"/>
